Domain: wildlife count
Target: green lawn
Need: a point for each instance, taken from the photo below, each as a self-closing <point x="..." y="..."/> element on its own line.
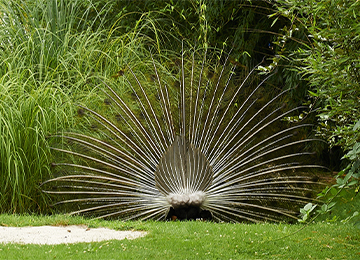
<point x="194" y="240"/>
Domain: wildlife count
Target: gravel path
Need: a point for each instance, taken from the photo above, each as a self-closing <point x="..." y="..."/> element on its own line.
<point x="52" y="235"/>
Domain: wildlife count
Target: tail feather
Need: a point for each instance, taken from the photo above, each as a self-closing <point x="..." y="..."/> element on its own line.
<point x="198" y="144"/>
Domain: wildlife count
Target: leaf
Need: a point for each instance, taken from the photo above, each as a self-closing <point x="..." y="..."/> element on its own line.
<point x="333" y="191"/>
<point x="313" y="94"/>
<point x="324" y="208"/>
<point x="274" y="21"/>
<point x="357" y="125"/>
<point x="355" y="166"/>
<point x="352" y="183"/>
<point x="331" y="204"/>
<point x="308" y="206"/>
<point x="354" y="153"/>
<point x="347" y="177"/>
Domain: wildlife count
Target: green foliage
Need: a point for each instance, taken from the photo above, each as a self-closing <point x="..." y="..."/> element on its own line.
<point x="243" y="25"/>
<point x="26" y="117"/>
<point x="48" y="63"/>
<point x="306" y="211"/>
<point x="52" y="51"/>
<point x="329" y="61"/>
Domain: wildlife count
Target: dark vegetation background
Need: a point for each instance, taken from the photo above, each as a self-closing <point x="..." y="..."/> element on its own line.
<point x="52" y="51"/>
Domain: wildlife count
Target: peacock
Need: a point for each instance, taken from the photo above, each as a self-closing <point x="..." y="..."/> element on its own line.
<point x="186" y="140"/>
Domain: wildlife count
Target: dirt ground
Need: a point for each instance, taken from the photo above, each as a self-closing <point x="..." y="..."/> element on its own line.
<point x="51" y="235"/>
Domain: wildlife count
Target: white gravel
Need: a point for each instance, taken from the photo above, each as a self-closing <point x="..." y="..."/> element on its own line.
<point x="52" y="235"/>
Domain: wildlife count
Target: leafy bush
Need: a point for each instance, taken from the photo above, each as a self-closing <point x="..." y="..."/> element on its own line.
<point x="329" y="61"/>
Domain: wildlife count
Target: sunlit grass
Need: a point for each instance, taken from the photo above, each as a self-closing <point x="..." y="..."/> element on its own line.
<point x="194" y="240"/>
<point x="26" y="117"/>
<point x="51" y="57"/>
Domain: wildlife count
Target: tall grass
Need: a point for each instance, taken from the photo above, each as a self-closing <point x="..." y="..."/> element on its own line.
<point x="51" y="53"/>
<point x="25" y="119"/>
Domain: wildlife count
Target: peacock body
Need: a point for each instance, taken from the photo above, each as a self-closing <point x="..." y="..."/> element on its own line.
<point x="195" y="142"/>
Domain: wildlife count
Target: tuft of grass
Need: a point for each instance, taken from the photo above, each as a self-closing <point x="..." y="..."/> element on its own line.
<point x="193" y="240"/>
<point x="25" y="119"/>
<point x="51" y="54"/>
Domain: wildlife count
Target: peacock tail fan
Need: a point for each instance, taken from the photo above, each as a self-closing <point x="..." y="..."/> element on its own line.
<point x="184" y="139"/>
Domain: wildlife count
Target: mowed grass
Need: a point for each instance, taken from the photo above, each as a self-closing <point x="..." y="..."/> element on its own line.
<point x="194" y="240"/>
